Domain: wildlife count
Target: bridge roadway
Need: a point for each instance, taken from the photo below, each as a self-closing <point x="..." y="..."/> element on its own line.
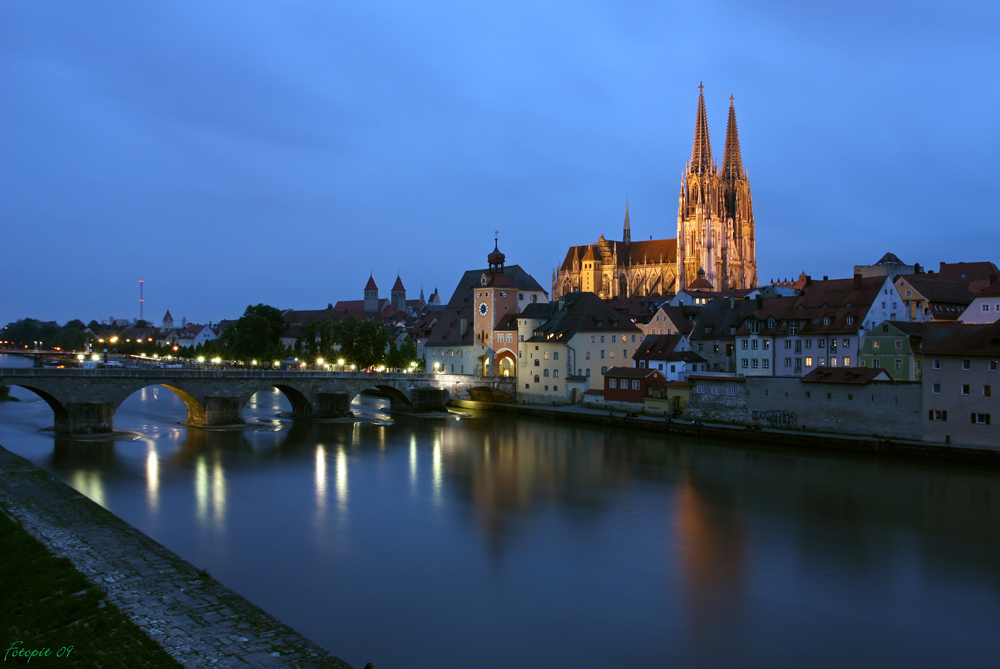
<point x="84" y="401"/>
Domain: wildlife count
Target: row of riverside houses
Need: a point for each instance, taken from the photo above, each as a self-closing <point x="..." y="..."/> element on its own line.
<point x="835" y="355"/>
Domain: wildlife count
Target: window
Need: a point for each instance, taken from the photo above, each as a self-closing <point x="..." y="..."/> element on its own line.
<point x="788" y="343"/>
<point x="765" y="363"/>
<point x="809" y="343"/>
<point x="715" y="390"/>
<point x="635" y="384"/>
<point x="612" y="353"/>
<point x="965" y="388"/>
<point x="809" y="362"/>
<point x="822" y="344"/>
<point x="731" y="391"/>
<point x="555" y="355"/>
<point x="602" y="354"/>
<point x="633" y="337"/>
<point x="899" y="365"/>
<point x="753" y="345"/>
<point x="604" y="369"/>
<point x="537" y="363"/>
<point x="850" y="320"/>
<point x="936" y="389"/>
<point x="754" y="363"/>
<point x="936" y="363"/>
<point x="546" y="355"/>
<point x="766" y="344"/>
<point x="847" y="343"/>
<point x="986" y="307"/>
<point x="612" y="383"/>
<point x="700" y="389"/>
<point x="602" y="339"/>
<point x="545" y="372"/>
<point x="520" y="337"/>
<point x="826" y="320"/>
<point x="587" y="355"/>
<point x="510" y="338"/>
<point x="980" y="419"/>
<point x="793" y="328"/>
<point x="798" y="365"/>
<point x="798" y="346"/>
<point x="987" y="391"/>
<point x="701" y="347"/>
<point x="966" y="364"/>
<point x="746" y="363"/>
<point x="788" y="362"/>
<point x="591" y="339"/>
<point x="876" y="364"/>
<point x="993" y="365"/>
<point x="745" y="344"/>
<point x="613" y="338"/>
<point x="537" y="379"/>
<point x="555" y="373"/>
<point x="588" y="372"/>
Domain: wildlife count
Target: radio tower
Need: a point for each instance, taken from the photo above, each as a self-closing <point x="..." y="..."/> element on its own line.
<point x="140" y="300"/>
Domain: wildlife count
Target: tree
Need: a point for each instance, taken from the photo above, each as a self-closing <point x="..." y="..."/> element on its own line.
<point x="256" y="335"/>
<point x="400" y="357"/>
<point x="315" y="341"/>
<point x="362" y="343"/>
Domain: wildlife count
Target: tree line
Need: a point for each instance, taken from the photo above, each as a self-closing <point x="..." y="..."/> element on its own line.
<point x="255" y="336"/>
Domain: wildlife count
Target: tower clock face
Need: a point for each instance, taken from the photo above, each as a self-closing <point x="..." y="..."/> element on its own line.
<point x="483" y="308"/>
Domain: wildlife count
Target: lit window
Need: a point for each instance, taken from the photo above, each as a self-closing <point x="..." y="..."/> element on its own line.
<point x="809" y="362"/>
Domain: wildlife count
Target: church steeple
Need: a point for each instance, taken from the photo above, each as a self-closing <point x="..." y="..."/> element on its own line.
<point x="701" y="152"/>
<point x="732" y="162"/>
<point x="627" y="232"/>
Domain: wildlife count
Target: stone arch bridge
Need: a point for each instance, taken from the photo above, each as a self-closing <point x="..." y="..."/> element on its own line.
<point x="85" y="401"/>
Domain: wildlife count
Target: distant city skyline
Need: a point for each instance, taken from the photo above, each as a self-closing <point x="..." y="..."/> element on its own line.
<point x="236" y="154"/>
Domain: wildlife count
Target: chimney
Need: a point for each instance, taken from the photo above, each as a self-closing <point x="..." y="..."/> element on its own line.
<point x="857" y="282"/>
<point x="826" y="278"/>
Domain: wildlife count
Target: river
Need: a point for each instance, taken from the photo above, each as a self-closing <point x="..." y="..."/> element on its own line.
<point x="492" y="541"/>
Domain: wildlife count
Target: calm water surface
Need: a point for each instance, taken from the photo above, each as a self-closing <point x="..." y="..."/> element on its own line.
<point x="494" y="542"/>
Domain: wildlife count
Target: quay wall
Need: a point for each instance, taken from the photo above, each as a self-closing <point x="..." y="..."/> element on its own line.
<point x="896" y="447"/>
<point x="197" y="620"/>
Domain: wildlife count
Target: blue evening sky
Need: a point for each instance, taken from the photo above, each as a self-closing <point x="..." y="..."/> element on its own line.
<point x="230" y="153"/>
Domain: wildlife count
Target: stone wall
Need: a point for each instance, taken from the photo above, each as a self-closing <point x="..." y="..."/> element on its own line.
<point x="876" y="409"/>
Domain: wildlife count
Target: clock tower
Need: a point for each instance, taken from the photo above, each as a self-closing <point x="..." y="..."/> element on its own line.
<point x="493" y="298"/>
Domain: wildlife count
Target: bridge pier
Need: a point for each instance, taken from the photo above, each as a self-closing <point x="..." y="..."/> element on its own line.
<point x="86" y="418"/>
<point x="223" y="410"/>
<point x="428" y="399"/>
<point x="331" y="405"/>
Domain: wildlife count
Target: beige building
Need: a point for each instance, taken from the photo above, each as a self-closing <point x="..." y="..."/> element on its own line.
<point x="715" y="234"/>
<point x="568" y="344"/>
<point x="960" y="373"/>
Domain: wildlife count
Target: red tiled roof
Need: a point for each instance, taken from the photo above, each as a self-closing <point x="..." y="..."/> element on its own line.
<point x="632" y="372"/>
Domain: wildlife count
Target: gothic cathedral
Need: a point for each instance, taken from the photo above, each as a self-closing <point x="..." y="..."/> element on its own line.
<point x="714" y="248"/>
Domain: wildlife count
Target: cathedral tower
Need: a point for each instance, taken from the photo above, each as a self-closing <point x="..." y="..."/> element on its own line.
<point x="715" y="228"/>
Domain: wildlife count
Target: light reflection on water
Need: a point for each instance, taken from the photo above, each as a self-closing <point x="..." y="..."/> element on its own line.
<point x="493" y="542"/>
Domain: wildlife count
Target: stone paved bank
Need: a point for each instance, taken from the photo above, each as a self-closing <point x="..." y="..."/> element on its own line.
<point x="197" y="620"/>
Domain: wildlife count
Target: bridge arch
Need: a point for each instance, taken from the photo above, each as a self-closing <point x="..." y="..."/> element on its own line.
<point x="59" y="411"/>
<point x="301" y="408"/>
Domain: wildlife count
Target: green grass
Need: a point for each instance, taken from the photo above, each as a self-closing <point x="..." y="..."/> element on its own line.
<point x="45" y="603"/>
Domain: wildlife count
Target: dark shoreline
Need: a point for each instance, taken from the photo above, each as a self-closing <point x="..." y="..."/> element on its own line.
<point x="901" y="448"/>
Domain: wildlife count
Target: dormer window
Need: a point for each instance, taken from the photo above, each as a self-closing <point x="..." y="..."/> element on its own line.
<point x="793" y="328"/>
<point x="850" y="320"/>
<point x="826" y="320"/>
<point x="770" y="322"/>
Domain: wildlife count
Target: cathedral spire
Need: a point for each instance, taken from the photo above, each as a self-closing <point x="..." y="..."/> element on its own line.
<point x="701" y="153"/>
<point x="627" y="232"/>
<point x="732" y="162"/>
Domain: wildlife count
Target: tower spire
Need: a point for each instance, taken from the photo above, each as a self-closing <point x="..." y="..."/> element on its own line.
<point x="627" y="232"/>
<point x="701" y="153"/>
<point x="732" y="162"/>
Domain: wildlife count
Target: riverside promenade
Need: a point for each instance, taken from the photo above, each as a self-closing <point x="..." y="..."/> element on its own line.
<point x="907" y="448"/>
<point x="198" y="621"/>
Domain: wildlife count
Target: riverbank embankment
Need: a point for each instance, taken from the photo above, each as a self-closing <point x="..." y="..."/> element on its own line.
<point x="197" y="620"/>
<point x="925" y="450"/>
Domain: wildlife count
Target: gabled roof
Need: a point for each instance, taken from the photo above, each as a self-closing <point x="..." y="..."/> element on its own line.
<point x="573" y="313"/>
<point x="519" y="279"/>
<point x="657" y="347"/>
<point x="682" y="317"/>
<point x="962" y="339"/>
<point x="975" y="275"/>
<point x="852" y="375"/>
<point x="633" y="372"/>
<point x="371" y="283"/>
<point x="652" y="251"/>
<point x="720" y="317"/>
<point x="933" y="288"/>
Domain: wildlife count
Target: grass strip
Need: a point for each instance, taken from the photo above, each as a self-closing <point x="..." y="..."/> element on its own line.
<point x="47" y="605"/>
